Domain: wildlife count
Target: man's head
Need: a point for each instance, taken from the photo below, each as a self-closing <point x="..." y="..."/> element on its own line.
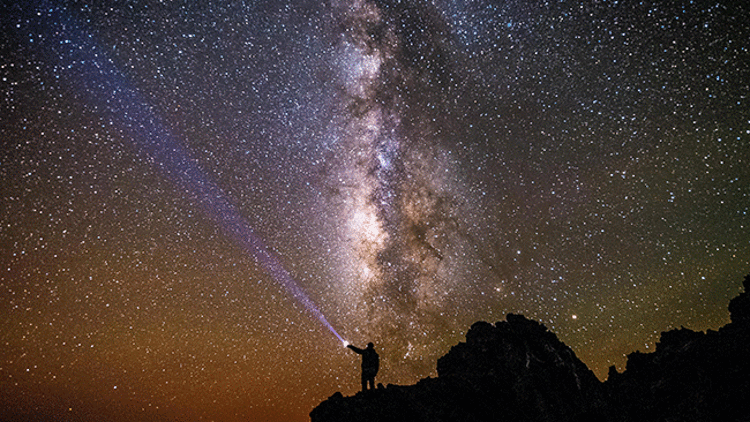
<point x="370" y="345"/>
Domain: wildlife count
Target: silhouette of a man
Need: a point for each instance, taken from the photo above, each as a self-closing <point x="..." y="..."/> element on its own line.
<point x="370" y="364"/>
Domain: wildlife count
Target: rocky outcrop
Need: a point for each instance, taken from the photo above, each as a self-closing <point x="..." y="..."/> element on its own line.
<point x="691" y="376"/>
<point x="739" y="307"/>
<point x="519" y="365"/>
<point x="517" y="370"/>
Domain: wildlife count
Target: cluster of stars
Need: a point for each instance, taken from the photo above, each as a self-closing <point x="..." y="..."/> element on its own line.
<point x="415" y="167"/>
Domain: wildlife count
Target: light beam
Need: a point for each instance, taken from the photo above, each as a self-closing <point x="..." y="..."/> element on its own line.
<point x="91" y="73"/>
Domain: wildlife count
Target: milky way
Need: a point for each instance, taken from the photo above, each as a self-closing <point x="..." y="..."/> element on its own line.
<point x="400" y="182"/>
<point x="413" y="166"/>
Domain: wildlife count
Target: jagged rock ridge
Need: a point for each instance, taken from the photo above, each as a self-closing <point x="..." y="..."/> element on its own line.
<point x="691" y="376"/>
<point x="512" y="370"/>
<point x="517" y="370"/>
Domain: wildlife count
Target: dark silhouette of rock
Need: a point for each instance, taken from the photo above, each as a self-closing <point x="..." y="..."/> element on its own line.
<point x="527" y="367"/>
<point x="691" y="376"/>
<point x="739" y="307"/>
<point x="510" y="371"/>
<point x="517" y="370"/>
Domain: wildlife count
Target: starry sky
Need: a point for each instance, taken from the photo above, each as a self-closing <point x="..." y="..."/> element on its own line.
<point x="191" y="190"/>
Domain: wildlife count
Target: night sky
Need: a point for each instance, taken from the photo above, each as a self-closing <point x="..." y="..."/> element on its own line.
<point x="189" y="190"/>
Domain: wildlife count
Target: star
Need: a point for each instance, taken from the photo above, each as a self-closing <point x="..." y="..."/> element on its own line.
<point x="202" y="201"/>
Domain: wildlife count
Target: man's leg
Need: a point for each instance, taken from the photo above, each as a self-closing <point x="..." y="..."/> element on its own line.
<point x="364" y="382"/>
